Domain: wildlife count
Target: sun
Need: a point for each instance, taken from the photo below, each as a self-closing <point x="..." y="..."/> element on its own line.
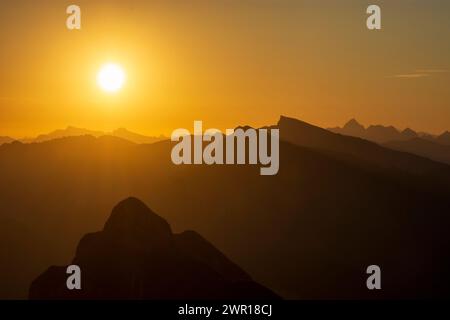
<point x="111" y="77"/>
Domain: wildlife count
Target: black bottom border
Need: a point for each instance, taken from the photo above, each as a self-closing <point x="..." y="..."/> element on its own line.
<point x="177" y="309"/>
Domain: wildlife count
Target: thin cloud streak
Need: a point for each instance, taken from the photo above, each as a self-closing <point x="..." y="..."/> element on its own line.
<point x="420" y="73"/>
<point x="411" y="76"/>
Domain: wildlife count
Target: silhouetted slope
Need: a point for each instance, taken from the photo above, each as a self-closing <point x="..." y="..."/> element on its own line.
<point x="78" y="132"/>
<point x="134" y="137"/>
<point x="360" y="151"/>
<point x="354" y="128"/>
<point x="5" y="140"/>
<point x="63" y="133"/>
<point x="421" y="144"/>
<point x="136" y="256"/>
<point x="308" y="232"/>
<point x="17" y="242"/>
<point x="409" y="134"/>
<point x="444" y="139"/>
<point x="424" y="148"/>
<point x="194" y="244"/>
<point x="379" y="133"/>
<point x="375" y="133"/>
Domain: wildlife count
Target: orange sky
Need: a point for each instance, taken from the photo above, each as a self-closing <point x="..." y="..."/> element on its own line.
<point x="224" y="62"/>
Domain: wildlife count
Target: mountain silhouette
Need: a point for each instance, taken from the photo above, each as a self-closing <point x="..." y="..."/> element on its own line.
<point x="76" y="132"/>
<point x="359" y="151"/>
<point x="355" y="127"/>
<point x="63" y="133"/>
<point x="337" y="205"/>
<point x="381" y="134"/>
<point x="136" y="256"/>
<point x="409" y="134"/>
<point x="375" y="133"/>
<point x="424" y="148"/>
<point x="6" y="140"/>
<point x="421" y="144"/>
<point x="135" y="137"/>
<point x="444" y="139"/>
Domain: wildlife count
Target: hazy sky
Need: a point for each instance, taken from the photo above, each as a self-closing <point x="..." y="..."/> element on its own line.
<point x="224" y="62"/>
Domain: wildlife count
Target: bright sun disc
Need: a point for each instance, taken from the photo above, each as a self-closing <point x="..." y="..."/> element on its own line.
<point x="111" y="77"/>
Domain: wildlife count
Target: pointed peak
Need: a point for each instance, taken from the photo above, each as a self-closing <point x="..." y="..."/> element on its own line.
<point x="353" y="121"/>
<point x="353" y="124"/>
<point x="132" y="218"/>
<point x="444" y="138"/>
<point x="130" y="207"/>
<point x="409" y="132"/>
<point x="445" y="134"/>
<point x="284" y="120"/>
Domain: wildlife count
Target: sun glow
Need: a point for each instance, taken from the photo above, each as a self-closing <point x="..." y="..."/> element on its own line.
<point x="111" y="77"/>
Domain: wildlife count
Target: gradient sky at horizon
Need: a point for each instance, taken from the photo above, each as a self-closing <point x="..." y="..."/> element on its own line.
<point x="224" y="62"/>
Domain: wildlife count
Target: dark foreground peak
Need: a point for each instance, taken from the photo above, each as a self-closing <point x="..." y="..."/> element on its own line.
<point x="136" y="256"/>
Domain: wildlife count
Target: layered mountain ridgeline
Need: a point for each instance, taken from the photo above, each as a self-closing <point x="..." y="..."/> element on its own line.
<point x="363" y="153"/>
<point x="337" y="205"/>
<point x="136" y="256"/>
<point x="5" y="140"/>
<point x="424" y="148"/>
<point x="375" y="133"/>
<point x="444" y="139"/>
<point x="76" y="132"/>
<point x="425" y="145"/>
<point x="382" y="134"/>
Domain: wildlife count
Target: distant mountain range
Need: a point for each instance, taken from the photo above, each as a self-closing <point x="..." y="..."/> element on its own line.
<point x="337" y="205"/>
<point x="75" y="132"/>
<point x="5" y="140"/>
<point x="354" y="149"/>
<point x="423" y="144"/>
<point x="419" y="143"/>
<point x="382" y="134"/>
<point x="136" y="256"/>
